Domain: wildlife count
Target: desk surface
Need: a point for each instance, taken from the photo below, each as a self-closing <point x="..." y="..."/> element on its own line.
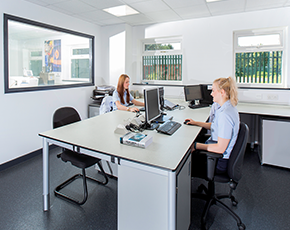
<point x="97" y="134"/>
<point x="264" y="109"/>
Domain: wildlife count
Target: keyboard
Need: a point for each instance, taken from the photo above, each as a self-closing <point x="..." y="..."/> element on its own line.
<point x="197" y="106"/>
<point x="169" y="127"/>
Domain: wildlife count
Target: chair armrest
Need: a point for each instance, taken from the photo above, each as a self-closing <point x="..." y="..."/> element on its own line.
<point x="211" y="162"/>
<point x="211" y="154"/>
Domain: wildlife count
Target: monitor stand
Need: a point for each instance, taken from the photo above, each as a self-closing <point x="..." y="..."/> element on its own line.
<point x="150" y="126"/>
<point x="163" y="118"/>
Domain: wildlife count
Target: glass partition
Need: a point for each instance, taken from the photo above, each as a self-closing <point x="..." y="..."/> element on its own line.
<point x="39" y="56"/>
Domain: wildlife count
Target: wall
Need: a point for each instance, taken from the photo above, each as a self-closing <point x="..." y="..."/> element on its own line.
<point x="208" y="48"/>
<point x="110" y="65"/>
<point x="117" y="53"/>
<point x="24" y="115"/>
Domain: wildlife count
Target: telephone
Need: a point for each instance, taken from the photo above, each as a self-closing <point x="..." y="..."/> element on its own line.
<point x="133" y="125"/>
<point x="169" y="105"/>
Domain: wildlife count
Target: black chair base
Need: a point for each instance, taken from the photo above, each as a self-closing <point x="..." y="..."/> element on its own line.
<point x="73" y="178"/>
<point x="215" y="199"/>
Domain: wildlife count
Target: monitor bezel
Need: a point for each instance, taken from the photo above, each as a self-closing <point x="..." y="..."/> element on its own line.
<point x="161" y="97"/>
<point x="146" y="104"/>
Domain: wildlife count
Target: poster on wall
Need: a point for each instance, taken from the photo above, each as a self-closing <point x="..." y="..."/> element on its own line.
<point x="52" y="50"/>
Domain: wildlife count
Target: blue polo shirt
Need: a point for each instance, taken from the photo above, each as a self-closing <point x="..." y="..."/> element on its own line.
<point x="226" y="124"/>
<point x="116" y="97"/>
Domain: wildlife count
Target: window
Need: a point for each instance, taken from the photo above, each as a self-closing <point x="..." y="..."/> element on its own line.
<point x="162" y="60"/>
<point x="39" y="56"/>
<point x="35" y="62"/>
<point x="80" y="62"/>
<point x="259" y="57"/>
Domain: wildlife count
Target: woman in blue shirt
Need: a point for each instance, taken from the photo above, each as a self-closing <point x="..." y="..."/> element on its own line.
<point x="225" y="125"/>
<point x="122" y="96"/>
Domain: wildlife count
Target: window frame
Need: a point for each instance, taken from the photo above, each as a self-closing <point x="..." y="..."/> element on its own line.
<point x="282" y="31"/>
<point x="162" y="40"/>
<point x="7" y="89"/>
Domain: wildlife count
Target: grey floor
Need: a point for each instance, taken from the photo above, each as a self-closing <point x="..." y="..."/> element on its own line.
<point x="263" y="194"/>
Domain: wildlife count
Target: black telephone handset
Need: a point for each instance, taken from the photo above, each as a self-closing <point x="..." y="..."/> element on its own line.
<point x="132" y="127"/>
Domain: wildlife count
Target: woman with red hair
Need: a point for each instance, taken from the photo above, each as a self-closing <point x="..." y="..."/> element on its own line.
<point x="122" y="96"/>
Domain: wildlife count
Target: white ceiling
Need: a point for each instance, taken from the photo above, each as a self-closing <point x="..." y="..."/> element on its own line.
<point x="155" y="11"/>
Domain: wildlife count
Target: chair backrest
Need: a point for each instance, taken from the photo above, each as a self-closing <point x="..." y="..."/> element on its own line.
<point x="64" y="116"/>
<point x="106" y="105"/>
<point x="236" y="159"/>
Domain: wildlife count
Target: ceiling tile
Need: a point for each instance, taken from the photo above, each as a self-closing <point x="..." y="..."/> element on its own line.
<point x="137" y="19"/>
<point x="193" y="11"/>
<point x="111" y="21"/>
<point x="74" y="6"/>
<point x="264" y="4"/>
<point x="97" y="15"/>
<point x="226" y="7"/>
<point x="133" y="1"/>
<point x="183" y="3"/>
<point x="39" y="2"/>
<point x="287" y="3"/>
<point x="103" y="4"/>
<point x="150" y="6"/>
<point x="164" y="16"/>
<point x="56" y="8"/>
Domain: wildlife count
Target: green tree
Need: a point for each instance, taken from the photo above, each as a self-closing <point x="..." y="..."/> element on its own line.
<point x="159" y="47"/>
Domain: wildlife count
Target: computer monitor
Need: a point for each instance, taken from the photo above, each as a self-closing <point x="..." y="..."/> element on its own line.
<point x="192" y="93"/>
<point x="152" y="107"/>
<point x="206" y="94"/>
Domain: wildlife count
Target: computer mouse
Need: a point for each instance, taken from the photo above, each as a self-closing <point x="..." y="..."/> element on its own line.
<point x="185" y="122"/>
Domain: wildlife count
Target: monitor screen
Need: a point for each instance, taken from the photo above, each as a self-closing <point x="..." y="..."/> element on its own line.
<point x="152" y="105"/>
<point x="206" y="94"/>
<point x="192" y="92"/>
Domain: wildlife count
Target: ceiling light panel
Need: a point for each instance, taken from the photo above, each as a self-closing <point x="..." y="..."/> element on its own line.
<point x="120" y="11"/>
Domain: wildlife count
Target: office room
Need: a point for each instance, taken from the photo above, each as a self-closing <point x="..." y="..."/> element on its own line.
<point x="208" y="53"/>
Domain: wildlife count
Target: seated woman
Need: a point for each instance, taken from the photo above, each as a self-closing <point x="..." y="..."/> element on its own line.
<point x="205" y="133"/>
<point x="122" y="96"/>
<point x="224" y="127"/>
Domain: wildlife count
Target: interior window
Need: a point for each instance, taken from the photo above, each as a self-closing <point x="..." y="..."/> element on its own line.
<point x="40" y="56"/>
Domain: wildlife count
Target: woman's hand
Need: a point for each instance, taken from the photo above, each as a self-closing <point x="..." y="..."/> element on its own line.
<point x="193" y="147"/>
<point x="133" y="109"/>
<point x="189" y="121"/>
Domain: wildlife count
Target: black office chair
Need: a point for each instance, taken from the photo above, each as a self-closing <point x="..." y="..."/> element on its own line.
<point x="64" y="116"/>
<point x="232" y="177"/>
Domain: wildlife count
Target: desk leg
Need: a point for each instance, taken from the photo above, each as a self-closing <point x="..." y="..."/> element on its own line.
<point x="45" y="162"/>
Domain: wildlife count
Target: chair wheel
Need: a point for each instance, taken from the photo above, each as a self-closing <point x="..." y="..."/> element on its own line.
<point x="234" y="203"/>
<point x="242" y="226"/>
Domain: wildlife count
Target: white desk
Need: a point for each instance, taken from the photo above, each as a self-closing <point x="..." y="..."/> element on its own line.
<point x="153" y="183"/>
<point x="270" y="126"/>
<point x="264" y="109"/>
